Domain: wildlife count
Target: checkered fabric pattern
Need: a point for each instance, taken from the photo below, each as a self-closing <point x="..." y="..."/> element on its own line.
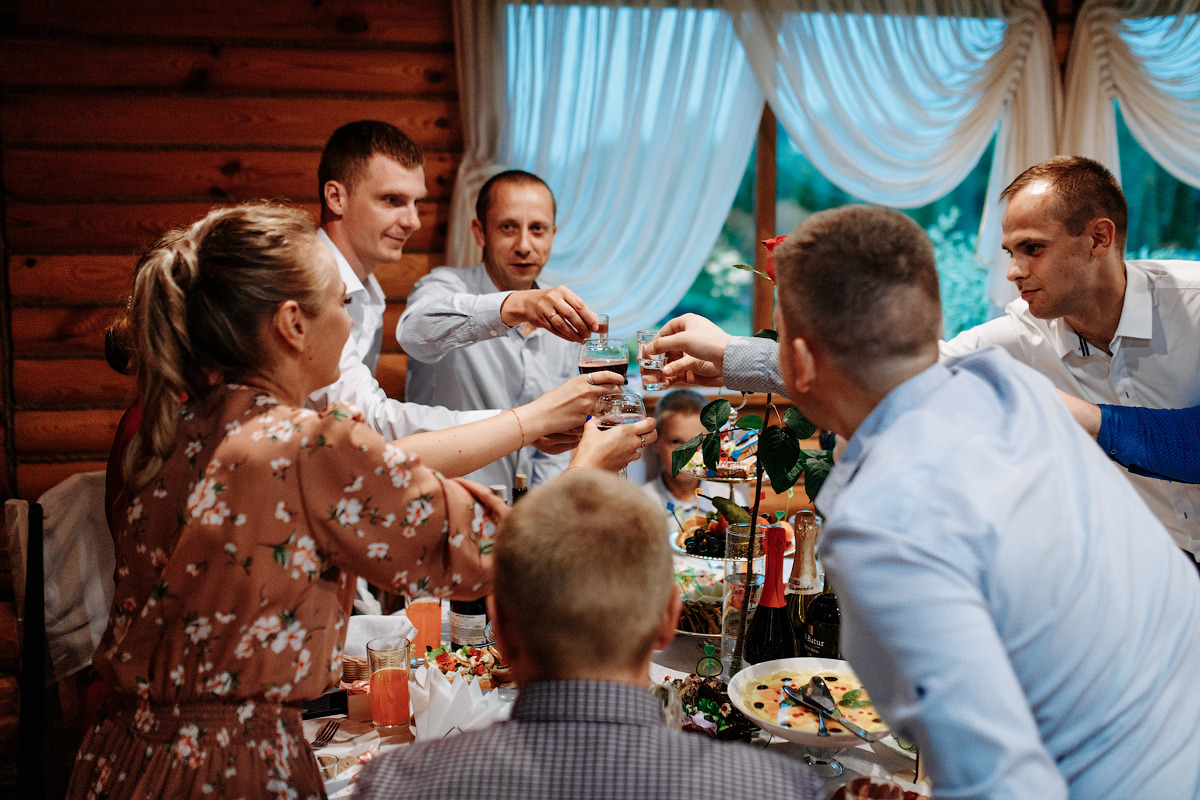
<point x="583" y="740"/>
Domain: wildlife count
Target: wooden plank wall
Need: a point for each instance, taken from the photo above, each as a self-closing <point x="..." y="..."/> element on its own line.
<point x="125" y="120"/>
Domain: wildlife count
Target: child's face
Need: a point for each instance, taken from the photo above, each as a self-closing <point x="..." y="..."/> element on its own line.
<point x="673" y="431"/>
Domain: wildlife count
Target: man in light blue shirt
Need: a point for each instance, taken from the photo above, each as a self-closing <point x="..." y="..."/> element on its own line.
<point x="487" y="336"/>
<point x="1007" y="598"/>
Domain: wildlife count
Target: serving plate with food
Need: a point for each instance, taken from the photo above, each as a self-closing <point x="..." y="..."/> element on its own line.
<point x="703" y="537"/>
<point x="757" y="691"/>
<point x="702" y="597"/>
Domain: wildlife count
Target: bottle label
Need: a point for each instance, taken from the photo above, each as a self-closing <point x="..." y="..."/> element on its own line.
<point x="821" y="641"/>
<point x="798" y="585"/>
<point x="468" y="629"/>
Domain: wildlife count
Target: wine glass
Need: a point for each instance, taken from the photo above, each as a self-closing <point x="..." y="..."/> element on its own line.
<point x="619" y="408"/>
<point x="598" y="355"/>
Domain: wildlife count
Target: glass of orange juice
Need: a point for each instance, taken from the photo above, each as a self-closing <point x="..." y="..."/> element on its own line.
<point x="426" y="614"/>
<point x="387" y="658"/>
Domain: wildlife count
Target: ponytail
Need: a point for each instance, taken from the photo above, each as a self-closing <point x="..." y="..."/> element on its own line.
<point x="199" y="303"/>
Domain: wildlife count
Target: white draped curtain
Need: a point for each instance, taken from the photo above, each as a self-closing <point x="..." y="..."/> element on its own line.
<point x="895" y="100"/>
<point x="1145" y="54"/>
<point x="639" y="116"/>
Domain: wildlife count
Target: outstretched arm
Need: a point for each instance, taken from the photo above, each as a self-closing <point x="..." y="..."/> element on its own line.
<point x="465" y="448"/>
<point x="699" y="352"/>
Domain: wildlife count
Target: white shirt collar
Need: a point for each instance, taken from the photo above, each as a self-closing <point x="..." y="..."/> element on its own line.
<point x="353" y="284"/>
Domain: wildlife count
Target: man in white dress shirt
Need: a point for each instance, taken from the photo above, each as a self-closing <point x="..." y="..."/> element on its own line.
<point x="371" y="177"/>
<point x="1099" y="327"/>
<point x="487" y="336"/>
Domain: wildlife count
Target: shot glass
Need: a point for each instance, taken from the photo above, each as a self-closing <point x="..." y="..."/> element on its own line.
<point x="388" y="660"/>
<point x="601" y="334"/>
<point x="650" y="364"/>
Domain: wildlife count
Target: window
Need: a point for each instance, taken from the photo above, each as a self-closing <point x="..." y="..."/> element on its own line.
<point x="726" y="295"/>
<point x="1164" y="212"/>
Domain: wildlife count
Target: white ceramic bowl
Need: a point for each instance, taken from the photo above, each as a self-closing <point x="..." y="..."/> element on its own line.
<point x="741" y="681"/>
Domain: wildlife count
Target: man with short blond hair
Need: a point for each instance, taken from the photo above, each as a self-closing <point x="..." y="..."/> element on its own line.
<point x="583" y="593"/>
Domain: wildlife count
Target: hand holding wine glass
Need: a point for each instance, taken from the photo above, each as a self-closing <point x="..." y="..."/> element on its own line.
<point x="614" y="448"/>
<point x="620" y="408"/>
<point x="567" y="406"/>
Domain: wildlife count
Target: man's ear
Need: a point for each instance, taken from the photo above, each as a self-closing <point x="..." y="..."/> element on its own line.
<point x="336" y="197"/>
<point x="506" y="642"/>
<point x="1103" y="232"/>
<point x="477" y="229"/>
<point x="670" y="620"/>
<point x="804" y="366"/>
<point x="290" y="324"/>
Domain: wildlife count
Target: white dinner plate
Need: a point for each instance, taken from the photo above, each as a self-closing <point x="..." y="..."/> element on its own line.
<point x="741" y="681"/>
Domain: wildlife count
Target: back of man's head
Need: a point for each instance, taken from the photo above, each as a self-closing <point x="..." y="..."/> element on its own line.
<point x="860" y="283"/>
<point x="516" y="177"/>
<point x="1084" y="190"/>
<point x="583" y="574"/>
<point x="351" y="147"/>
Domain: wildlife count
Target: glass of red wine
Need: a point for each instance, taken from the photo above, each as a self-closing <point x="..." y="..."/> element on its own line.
<point x="619" y="408"/>
<point x="599" y="355"/>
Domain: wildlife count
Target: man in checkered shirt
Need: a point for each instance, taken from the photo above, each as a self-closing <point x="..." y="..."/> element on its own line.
<point x="583" y="593"/>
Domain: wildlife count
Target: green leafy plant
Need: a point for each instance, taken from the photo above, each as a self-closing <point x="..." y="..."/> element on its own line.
<point x="779" y="452"/>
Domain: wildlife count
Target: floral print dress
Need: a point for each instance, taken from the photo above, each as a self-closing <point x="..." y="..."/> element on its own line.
<point x="235" y="577"/>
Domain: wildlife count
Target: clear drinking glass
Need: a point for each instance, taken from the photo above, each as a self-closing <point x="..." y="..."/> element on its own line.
<point x="426" y="614"/>
<point x="388" y="660"/>
<point x="650" y="364"/>
<point x="596" y="355"/>
<point x="603" y="332"/>
<point x="737" y="600"/>
<point x="619" y="408"/>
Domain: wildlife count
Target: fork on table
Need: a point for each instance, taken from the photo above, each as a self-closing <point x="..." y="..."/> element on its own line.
<point x="325" y="735"/>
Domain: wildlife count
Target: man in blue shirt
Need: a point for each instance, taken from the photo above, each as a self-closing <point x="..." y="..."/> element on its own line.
<point x="1007" y="598"/>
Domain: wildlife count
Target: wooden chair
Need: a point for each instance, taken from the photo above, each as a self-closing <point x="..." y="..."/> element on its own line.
<point x="23" y="522"/>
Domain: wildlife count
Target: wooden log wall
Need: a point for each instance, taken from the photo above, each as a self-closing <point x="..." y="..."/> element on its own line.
<point x="121" y="120"/>
<point x="125" y="119"/>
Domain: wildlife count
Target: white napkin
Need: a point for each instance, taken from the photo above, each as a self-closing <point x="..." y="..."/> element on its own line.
<point x="365" y="627"/>
<point x="441" y="708"/>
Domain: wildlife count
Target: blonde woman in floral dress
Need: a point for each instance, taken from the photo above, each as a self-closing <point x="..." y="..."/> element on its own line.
<point x="246" y="516"/>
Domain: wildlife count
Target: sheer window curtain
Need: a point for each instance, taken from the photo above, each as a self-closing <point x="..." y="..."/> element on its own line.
<point x="640" y="117"/>
<point x="895" y="100"/>
<point x="1146" y="56"/>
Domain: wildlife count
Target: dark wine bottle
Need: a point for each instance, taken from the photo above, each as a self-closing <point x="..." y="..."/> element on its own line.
<point x="823" y="625"/>
<point x="520" y="487"/>
<point x="769" y="635"/>
<point x="804" y="585"/>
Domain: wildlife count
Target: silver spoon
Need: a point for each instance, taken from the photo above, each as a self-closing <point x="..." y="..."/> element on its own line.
<point x="813" y="704"/>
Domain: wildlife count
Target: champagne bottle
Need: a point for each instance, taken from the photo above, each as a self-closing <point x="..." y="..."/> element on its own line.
<point x="769" y="635"/>
<point x="804" y="585"/>
<point x="823" y="624"/>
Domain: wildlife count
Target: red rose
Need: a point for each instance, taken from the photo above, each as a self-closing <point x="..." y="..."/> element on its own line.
<point x="771" y="244"/>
